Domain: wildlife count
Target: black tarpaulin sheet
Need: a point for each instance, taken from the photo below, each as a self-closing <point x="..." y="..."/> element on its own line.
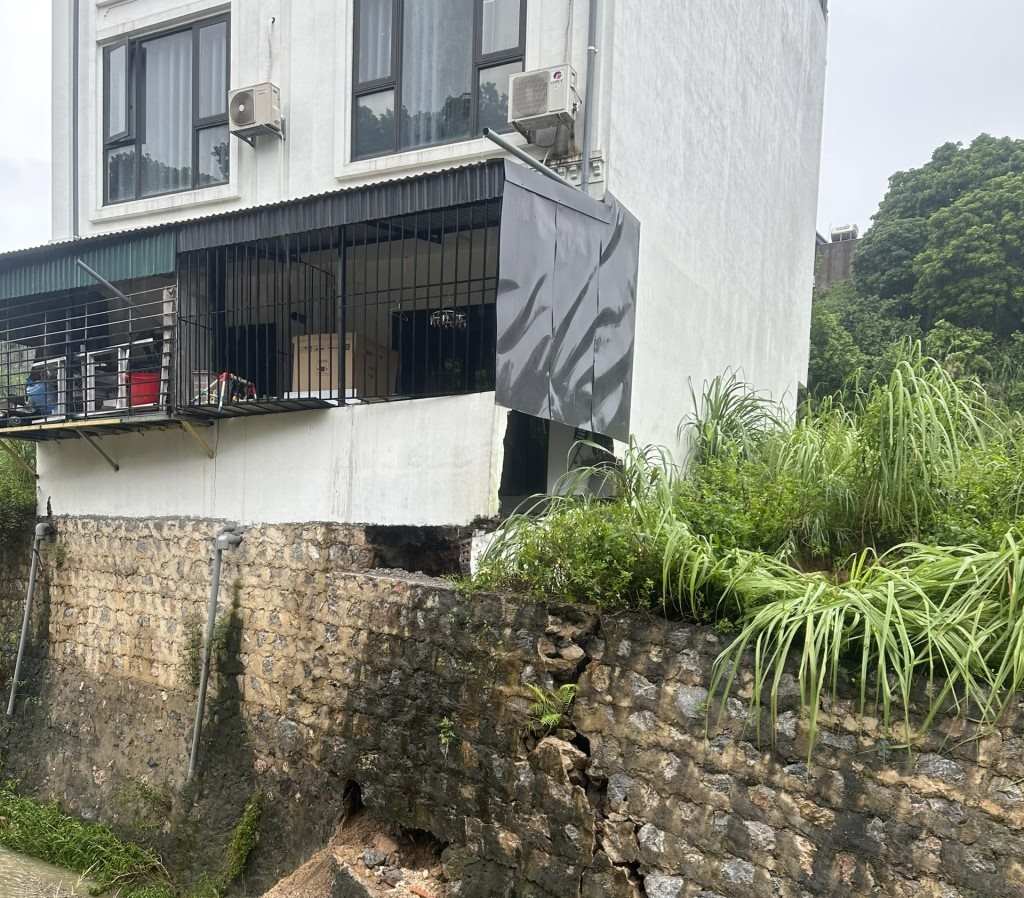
<point x="566" y="304"/>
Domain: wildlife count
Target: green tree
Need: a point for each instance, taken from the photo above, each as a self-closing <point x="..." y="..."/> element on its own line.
<point x="971" y="271"/>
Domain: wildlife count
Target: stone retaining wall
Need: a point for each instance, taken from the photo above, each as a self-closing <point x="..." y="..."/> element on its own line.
<point x="330" y="676"/>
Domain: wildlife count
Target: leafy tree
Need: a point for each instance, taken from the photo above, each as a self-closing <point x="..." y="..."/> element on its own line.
<point x="971" y="271"/>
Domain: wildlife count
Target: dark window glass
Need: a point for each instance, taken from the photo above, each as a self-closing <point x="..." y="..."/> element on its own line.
<point x="374" y="47"/>
<point x="449" y="80"/>
<point x="168" y="145"/>
<point x="120" y="174"/>
<point x="213" y="70"/>
<point x="494" y="95"/>
<point x="117" y="91"/>
<point x="375" y="123"/>
<point x="214" y="155"/>
<point x="499" y="25"/>
<point x="437" y="71"/>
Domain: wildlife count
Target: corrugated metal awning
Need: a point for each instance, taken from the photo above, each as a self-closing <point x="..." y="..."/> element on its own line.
<point x="404" y="196"/>
<point x="152" y="250"/>
<point x="53" y="270"/>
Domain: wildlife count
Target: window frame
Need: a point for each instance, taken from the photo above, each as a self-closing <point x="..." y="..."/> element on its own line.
<point x="135" y="110"/>
<point x="393" y="82"/>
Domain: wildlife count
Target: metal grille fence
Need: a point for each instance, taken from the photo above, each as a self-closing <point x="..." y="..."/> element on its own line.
<point x="396" y="308"/>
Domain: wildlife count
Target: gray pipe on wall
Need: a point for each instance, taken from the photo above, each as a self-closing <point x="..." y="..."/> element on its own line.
<point x="75" y="38"/>
<point x="228" y="538"/>
<point x="43" y="531"/>
<point x="589" y="101"/>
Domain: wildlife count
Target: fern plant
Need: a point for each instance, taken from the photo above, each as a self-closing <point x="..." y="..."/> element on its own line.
<point x="551" y="708"/>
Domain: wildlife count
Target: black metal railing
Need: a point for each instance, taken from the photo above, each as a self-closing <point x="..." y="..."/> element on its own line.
<point x="76" y="356"/>
<point x="396" y="308"/>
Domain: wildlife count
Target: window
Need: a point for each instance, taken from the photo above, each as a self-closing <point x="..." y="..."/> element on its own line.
<point x="165" y="113"/>
<point x="429" y="72"/>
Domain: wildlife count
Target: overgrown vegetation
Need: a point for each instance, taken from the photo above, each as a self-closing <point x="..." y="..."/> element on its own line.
<point x="874" y="541"/>
<point x="112" y="865"/>
<point x="17" y="492"/>
<point x="243" y="841"/>
<point x="941" y="262"/>
<point x="42" y="831"/>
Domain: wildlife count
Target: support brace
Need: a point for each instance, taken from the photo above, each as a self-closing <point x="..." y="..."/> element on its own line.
<point x="102" y="452"/>
<point x="192" y="432"/>
<point x="18" y="460"/>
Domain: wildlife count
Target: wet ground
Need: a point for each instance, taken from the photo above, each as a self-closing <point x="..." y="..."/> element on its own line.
<point x="22" y="877"/>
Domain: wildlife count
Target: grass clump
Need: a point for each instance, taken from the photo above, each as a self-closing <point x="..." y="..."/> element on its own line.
<point x="876" y="541"/>
<point x="44" y="832"/>
<point x="17" y="492"/>
<point x="244" y="839"/>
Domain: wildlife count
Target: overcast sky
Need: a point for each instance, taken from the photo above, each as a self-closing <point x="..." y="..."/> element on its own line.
<point x="904" y="76"/>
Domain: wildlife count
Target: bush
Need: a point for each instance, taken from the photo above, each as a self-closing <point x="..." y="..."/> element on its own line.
<point x="17" y="494"/>
<point x="848" y="492"/>
<point x="585" y="551"/>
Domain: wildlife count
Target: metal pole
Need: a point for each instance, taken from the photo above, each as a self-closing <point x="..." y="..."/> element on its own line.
<point x="590" y="100"/>
<point x="102" y="280"/>
<point x="525" y="157"/>
<point x="42" y="532"/>
<point x="226" y="539"/>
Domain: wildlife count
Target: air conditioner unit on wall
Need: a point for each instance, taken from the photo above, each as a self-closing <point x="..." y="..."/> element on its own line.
<point x="256" y="110"/>
<point x="543" y="98"/>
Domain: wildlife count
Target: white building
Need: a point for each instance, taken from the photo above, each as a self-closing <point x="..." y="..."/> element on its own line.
<point x="364" y="255"/>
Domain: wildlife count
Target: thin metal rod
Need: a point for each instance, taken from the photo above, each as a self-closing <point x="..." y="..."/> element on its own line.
<point x="525" y="157"/>
<point x="18" y="460"/>
<point x="226" y="539"/>
<point x="102" y="280"/>
<point x="42" y="532"/>
<point x="113" y="464"/>
<point x="590" y="100"/>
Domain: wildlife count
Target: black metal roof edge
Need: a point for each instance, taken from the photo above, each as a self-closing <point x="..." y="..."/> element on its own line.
<point x="446" y="186"/>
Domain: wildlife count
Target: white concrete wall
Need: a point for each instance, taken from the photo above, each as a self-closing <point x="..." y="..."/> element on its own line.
<point x="305" y="47"/>
<point x="421" y="462"/>
<point x="715" y="112"/>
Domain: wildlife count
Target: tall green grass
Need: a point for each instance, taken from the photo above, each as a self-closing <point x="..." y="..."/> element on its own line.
<point x="813" y="539"/>
<point x="44" y="832"/>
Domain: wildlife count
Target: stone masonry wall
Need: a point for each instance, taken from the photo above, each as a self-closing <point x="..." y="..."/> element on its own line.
<point x="330" y="675"/>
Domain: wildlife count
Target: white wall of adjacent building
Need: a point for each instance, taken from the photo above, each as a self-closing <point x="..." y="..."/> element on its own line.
<point x="715" y="113"/>
<point x="708" y="128"/>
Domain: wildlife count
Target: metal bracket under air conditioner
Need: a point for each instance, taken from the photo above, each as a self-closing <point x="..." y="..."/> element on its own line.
<point x="251" y="138"/>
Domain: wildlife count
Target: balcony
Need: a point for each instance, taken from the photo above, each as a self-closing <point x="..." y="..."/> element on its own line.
<point x="80" y="361"/>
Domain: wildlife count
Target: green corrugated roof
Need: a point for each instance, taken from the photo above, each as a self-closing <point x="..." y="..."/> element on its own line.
<point x="54" y="270"/>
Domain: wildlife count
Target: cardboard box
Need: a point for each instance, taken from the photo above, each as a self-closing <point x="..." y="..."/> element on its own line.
<point x="370" y="369"/>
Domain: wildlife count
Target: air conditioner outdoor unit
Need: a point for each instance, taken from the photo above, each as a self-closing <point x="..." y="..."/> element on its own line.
<point x="543" y="98"/>
<point x="256" y="110"/>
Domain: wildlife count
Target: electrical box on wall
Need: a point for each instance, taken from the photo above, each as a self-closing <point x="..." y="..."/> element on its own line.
<point x="543" y="98"/>
<point x="255" y="111"/>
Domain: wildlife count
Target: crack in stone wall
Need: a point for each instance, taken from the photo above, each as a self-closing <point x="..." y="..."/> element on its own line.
<point x="344" y="675"/>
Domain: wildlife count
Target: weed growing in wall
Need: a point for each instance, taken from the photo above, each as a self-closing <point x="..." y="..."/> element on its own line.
<point x="551" y="708"/>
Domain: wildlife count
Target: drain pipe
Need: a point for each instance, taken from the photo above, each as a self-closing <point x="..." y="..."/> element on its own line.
<point x="228" y="538"/>
<point x="76" y="27"/>
<point x="43" y="531"/>
<point x="590" y="101"/>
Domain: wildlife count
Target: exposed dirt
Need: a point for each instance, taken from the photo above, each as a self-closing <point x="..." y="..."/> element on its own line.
<point x="367" y="858"/>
